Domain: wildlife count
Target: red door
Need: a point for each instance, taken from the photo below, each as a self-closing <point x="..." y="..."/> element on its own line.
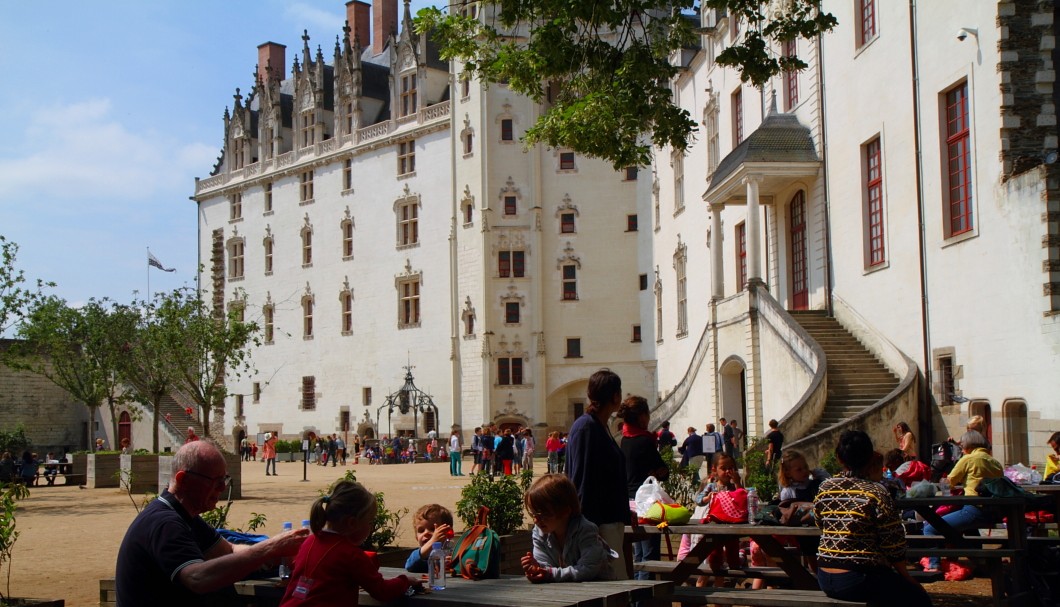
<point x="124" y="429"/>
<point x="800" y="298"/>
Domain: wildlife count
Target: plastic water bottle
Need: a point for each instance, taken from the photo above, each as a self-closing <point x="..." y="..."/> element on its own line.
<point x="944" y="485"/>
<point x="752" y="505"/>
<point x="1036" y="477"/>
<point x="285" y="563"/>
<point x="305" y="523"/>
<point x="436" y="567"/>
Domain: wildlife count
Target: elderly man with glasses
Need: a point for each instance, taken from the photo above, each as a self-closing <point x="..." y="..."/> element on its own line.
<point x="170" y="556"/>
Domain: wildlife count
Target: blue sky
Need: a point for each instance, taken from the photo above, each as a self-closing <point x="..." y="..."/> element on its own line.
<point x="110" y="110"/>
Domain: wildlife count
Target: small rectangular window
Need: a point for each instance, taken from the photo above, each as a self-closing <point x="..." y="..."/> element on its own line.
<point x="566" y="161"/>
<point x="511" y="313"/>
<point x="366" y="397"/>
<point x="469" y="143"/>
<point x="268" y="197"/>
<point x="347" y="175"/>
<point x="506" y="130"/>
<point x="307" y="318"/>
<point x="305" y="192"/>
<point x="570" y="283"/>
<point x="407" y="157"/>
<point x="257" y="392"/>
<point x="643" y="282"/>
<point x="309" y="393"/>
<point x="574" y="347"/>
<point x="235" y="205"/>
<point x="946" y="383"/>
<point x="518" y="264"/>
<point x="510" y="205"/>
<point x="636" y="334"/>
<point x="566" y="223"/>
<point x="631" y="223"/>
<point x="630" y="174"/>
<point x="465" y="87"/>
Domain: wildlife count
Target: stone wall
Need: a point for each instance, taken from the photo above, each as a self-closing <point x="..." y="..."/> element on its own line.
<point x="54" y="421"/>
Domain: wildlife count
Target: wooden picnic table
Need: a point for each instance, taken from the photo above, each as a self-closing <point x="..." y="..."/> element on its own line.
<point x="764" y="535"/>
<point x="506" y="591"/>
<point x="1013" y="544"/>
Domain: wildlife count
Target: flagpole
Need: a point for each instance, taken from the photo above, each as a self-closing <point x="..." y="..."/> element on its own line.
<point x="149" y="276"/>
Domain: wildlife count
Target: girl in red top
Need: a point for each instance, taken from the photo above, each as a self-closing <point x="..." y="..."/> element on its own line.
<point x="553" y="446"/>
<point x="331" y="568"/>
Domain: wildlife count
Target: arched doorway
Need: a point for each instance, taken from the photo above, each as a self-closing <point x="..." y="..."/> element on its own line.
<point x="124" y="429"/>
<point x="1017" y="449"/>
<point x="734" y="392"/>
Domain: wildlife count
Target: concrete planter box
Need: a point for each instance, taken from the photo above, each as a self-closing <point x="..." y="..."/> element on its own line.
<point x="102" y="470"/>
<point x="143" y="469"/>
<point x="165" y="471"/>
<point x="513" y="547"/>
<point x="235" y="470"/>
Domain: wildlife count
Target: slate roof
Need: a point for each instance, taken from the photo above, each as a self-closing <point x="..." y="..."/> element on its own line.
<point x="780" y="138"/>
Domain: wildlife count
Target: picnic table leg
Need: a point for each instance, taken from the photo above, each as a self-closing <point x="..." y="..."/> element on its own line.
<point x="801" y="578"/>
<point x="690" y="564"/>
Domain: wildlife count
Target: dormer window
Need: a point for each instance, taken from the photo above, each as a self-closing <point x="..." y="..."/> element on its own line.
<point x="408" y="95"/>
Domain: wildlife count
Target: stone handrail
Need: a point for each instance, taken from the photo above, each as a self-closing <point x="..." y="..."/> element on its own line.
<point x="285" y="159"/>
<point x="667" y="407"/>
<point x="209" y="183"/>
<point x="438" y="110"/>
<point x="371" y="132"/>
<point x="807" y="352"/>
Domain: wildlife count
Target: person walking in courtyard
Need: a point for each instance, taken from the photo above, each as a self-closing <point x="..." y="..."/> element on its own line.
<point x="691" y="449"/>
<point x="552" y="447"/>
<point x="270" y="453"/>
<point x="597" y="467"/>
<point x="776" y="443"/>
<point x="737" y="439"/>
<point x="528" y="449"/>
<point x="455" y="454"/>
<point x="727" y="438"/>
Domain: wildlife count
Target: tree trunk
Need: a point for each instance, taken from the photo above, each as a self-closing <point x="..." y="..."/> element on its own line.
<point x="91" y="431"/>
<point x="113" y="418"/>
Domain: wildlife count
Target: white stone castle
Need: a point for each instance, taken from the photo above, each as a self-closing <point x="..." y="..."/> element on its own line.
<point x="376" y="211"/>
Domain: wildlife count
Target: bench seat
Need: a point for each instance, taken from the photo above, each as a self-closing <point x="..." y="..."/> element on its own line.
<point x="756" y="598"/>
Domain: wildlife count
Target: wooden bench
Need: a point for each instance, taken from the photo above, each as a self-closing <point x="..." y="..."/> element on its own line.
<point x="779" y="597"/>
<point x="774" y="575"/>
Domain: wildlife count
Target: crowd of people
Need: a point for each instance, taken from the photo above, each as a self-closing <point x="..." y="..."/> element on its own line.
<point x="579" y="508"/>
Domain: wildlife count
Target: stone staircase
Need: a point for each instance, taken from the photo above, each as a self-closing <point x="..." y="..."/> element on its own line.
<point x="856" y="378"/>
<point x="178" y="417"/>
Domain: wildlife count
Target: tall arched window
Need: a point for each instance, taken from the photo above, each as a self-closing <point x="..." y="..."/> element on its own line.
<point x="1015" y="416"/>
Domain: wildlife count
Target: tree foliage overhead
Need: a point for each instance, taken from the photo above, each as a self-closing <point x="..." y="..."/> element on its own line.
<point x="15" y="298"/>
<point x="606" y="67"/>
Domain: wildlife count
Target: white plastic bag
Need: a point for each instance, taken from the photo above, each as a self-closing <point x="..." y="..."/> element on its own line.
<point x="648" y="493"/>
<point x="1019" y="474"/>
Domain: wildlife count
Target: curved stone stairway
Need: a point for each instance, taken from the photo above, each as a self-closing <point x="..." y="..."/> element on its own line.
<point x="856" y="378"/>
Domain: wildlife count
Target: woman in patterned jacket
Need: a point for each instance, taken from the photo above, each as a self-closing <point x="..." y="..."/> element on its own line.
<point x="862" y="550"/>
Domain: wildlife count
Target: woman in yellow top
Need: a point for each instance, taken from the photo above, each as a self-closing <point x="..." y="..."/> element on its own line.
<point x="1052" y="461"/>
<point x="976" y="466"/>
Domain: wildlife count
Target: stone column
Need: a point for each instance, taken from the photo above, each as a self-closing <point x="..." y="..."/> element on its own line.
<point x="754" y="262"/>
<point x="717" y="261"/>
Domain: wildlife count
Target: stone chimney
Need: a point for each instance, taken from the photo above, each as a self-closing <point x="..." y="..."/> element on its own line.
<point x="272" y="56"/>
<point x="384" y="20"/>
<point x="359" y="16"/>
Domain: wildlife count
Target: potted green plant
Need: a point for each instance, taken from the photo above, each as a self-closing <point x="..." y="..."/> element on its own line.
<point x="503" y="496"/>
<point x="283" y="451"/>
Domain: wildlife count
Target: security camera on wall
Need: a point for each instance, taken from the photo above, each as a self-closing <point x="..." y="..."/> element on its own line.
<point x="962" y="35"/>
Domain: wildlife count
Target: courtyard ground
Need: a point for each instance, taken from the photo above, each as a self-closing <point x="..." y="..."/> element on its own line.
<point x="70" y="536"/>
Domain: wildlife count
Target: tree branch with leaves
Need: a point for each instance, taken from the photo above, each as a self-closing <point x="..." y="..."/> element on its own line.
<point x="605" y="68"/>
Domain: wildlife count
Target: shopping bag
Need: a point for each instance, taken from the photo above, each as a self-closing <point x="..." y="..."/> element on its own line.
<point x="728" y="506"/>
<point x="650" y="492"/>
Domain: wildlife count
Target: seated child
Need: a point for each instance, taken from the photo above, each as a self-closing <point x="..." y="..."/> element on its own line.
<point x="331" y="567"/>
<point x="723" y="477"/>
<point x="567" y="546"/>
<point x="433" y="523"/>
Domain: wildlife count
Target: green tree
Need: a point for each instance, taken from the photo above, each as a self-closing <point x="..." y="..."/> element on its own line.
<point x="15" y="298"/>
<point x="202" y="346"/>
<point x="607" y="66"/>
<point x="77" y="349"/>
<point x="147" y="370"/>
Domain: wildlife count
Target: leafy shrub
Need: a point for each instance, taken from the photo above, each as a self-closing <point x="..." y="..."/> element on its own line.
<point x="15" y="440"/>
<point x="503" y="496"/>
<point x="283" y="446"/>
<point x="831" y="463"/>
<point x="682" y="483"/>
<point x="755" y="473"/>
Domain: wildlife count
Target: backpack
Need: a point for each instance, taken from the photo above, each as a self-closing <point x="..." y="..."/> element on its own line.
<point x="477" y="552"/>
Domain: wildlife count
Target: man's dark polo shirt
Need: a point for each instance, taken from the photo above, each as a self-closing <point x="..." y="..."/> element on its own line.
<point x="163" y="540"/>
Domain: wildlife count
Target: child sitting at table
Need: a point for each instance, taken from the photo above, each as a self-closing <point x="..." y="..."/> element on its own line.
<point x="433" y="523"/>
<point x="723" y="477"/>
<point x="567" y="546"/>
<point x="331" y="568"/>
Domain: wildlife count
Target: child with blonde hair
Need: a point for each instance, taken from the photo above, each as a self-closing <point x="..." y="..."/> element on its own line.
<point x="433" y="523"/>
<point x="331" y="567"/>
<point x="567" y="546"/>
